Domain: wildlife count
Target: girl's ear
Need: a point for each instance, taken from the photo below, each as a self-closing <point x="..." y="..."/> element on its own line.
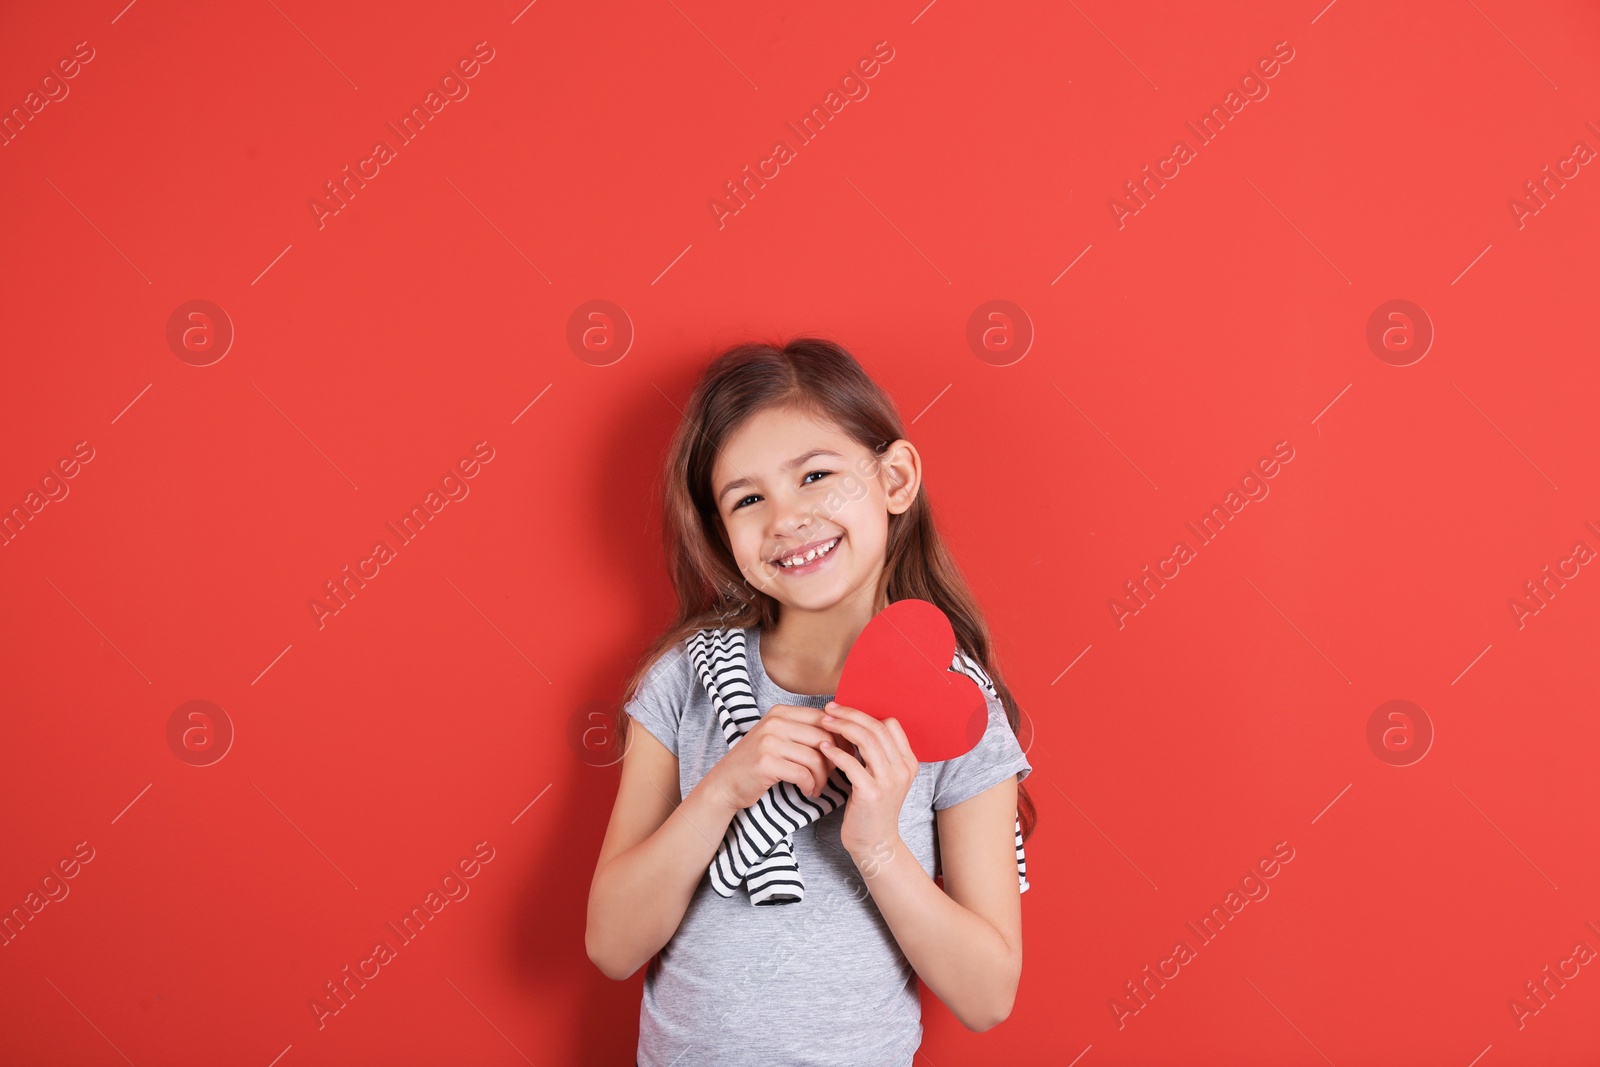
<point x="900" y="467"/>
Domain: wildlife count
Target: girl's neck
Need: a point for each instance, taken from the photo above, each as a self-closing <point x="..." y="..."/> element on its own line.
<point x="806" y="653"/>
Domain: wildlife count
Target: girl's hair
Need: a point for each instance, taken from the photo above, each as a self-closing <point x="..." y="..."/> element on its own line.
<point x="821" y="378"/>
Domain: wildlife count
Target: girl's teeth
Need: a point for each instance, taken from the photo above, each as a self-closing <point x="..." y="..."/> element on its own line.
<point x="809" y="556"/>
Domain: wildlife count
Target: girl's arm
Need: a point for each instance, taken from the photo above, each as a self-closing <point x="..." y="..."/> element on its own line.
<point x="655" y="852"/>
<point x="965" y="941"/>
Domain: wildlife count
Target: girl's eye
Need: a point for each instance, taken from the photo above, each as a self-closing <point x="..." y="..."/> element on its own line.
<point x="753" y="496"/>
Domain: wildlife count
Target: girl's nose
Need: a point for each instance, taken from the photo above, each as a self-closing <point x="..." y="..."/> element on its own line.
<point x="792" y="518"/>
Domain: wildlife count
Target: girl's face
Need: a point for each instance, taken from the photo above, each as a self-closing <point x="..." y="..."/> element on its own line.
<point x="786" y="484"/>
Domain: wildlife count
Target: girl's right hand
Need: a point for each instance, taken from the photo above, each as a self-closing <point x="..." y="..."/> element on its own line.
<point x="783" y="747"/>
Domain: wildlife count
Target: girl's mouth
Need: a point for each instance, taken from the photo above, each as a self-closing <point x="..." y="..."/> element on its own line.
<point x="817" y="562"/>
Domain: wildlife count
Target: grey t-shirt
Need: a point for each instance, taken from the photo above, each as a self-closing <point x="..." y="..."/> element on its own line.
<point x="818" y="982"/>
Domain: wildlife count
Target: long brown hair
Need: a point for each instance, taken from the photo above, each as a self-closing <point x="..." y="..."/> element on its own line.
<point x="822" y="378"/>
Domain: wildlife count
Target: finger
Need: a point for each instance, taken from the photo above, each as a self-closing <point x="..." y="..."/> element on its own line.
<point x="865" y="735"/>
<point x="811" y="756"/>
<point x="795" y="713"/>
<point x="891" y="735"/>
<point x="797" y="775"/>
<point x="848" y="714"/>
<point x="800" y="765"/>
<point x="795" y="722"/>
<point x="901" y="741"/>
<point x="802" y="724"/>
<point x="804" y="733"/>
<point x="874" y="727"/>
<point x="852" y="767"/>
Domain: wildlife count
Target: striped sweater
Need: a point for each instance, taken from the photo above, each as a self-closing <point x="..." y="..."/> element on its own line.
<point x="756" y="851"/>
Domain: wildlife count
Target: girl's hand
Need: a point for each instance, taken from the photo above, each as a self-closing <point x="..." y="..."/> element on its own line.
<point x="783" y="747"/>
<point x="877" y="789"/>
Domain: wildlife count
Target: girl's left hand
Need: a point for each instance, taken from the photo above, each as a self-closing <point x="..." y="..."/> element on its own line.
<point x="878" y="789"/>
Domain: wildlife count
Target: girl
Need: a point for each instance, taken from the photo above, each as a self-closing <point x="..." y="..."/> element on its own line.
<point x="782" y="924"/>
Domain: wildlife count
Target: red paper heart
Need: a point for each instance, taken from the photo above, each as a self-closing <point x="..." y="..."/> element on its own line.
<point x="900" y="668"/>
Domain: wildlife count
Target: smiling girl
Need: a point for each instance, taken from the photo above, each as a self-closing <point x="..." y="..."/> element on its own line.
<point x="795" y="512"/>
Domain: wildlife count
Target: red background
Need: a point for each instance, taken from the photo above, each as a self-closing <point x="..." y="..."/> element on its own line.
<point x="435" y="710"/>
